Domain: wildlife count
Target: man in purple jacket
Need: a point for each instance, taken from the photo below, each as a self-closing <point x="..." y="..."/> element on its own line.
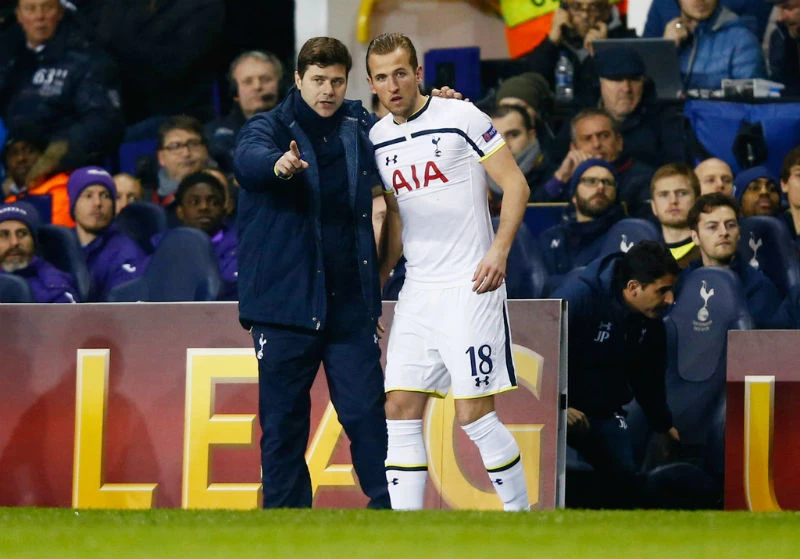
<point x="200" y="203"/>
<point x="112" y="257"/>
<point x="18" y="225"/>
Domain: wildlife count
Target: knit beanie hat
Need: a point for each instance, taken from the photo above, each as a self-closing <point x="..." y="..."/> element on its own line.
<point x="744" y="178"/>
<point x="530" y="87"/>
<point x="585" y="166"/>
<point x="23" y="212"/>
<point x="83" y="178"/>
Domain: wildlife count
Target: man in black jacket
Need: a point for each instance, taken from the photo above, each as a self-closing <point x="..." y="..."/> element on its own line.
<point x="51" y="78"/>
<point x="617" y="350"/>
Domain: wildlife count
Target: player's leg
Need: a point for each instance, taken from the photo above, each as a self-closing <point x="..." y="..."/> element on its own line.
<point x="479" y="358"/>
<point x="288" y="361"/>
<point x="414" y="371"/>
<point x="498" y="448"/>
<point x="355" y="381"/>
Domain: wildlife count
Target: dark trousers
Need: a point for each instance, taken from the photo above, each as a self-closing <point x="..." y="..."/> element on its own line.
<point x="288" y="362"/>
<point x="606" y="445"/>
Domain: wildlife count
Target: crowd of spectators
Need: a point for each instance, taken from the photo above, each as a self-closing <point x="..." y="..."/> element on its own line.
<point x="77" y="83"/>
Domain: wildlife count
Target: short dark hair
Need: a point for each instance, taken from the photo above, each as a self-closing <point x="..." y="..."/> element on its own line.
<point x="676" y="170"/>
<point x="645" y="262"/>
<point x="390" y="42"/>
<point x="792" y="158"/>
<point x="588" y="113"/>
<point x="179" y="122"/>
<point x="708" y="203"/>
<point x="199" y="177"/>
<point x="323" y="51"/>
<point x="504" y="110"/>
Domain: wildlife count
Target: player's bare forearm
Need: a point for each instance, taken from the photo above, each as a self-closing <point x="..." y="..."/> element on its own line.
<point x="505" y="172"/>
<point x="391" y="239"/>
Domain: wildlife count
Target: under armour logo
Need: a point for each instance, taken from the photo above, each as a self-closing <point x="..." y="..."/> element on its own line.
<point x="641" y="336"/>
<point x="395" y="481"/>
<point x="261" y="342"/>
<point x="478" y="381"/>
<point x="129" y="268"/>
<point x="375" y="338"/>
<point x="555" y="243"/>
<point x="391" y="159"/>
<point x="435" y="142"/>
<point x="497" y="481"/>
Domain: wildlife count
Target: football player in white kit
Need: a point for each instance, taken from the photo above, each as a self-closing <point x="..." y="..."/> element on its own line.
<point x="450" y="324"/>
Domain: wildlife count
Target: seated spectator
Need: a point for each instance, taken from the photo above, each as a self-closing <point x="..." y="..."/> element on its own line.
<point x="231" y="193"/>
<point x="167" y="54"/>
<point x="652" y="131"/>
<point x="529" y="91"/>
<point x="577" y="241"/>
<point x="757" y="191"/>
<point x="790" y="185"/>
<point x="516" y="128"/>
<point x="595" y="136"/>
<point x="715" y="230"/>
<point x="755" y="15"/>
<point x="111" y="257"/>
<point x="674" y="189"/>
<point x="18" y="225"/>
<point x="713" y="44"/>
<point x="254" y="77"/>
<point x="715" y="176"/>
<point x="129" y="190"/>
<point x="24" y="148"/>
<point x="784" y="49"/>
<point x="617" y="351"/>
<point x="50" y="77"/>
<point x="200" y="203"/>
<point x="575" y="26"/>
<point x="182" y="150"/>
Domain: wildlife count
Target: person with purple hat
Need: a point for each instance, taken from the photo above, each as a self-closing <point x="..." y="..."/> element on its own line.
<point x="19" y="223"/>
<point x="758" y="192"/>
<point x="112" y="257"/>
<point x="577" y="241"/>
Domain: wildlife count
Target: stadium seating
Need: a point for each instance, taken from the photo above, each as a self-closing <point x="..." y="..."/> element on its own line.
<point x="766" y="245"/>
<point x="141" y="221"/>
<point x="627" y="232"/>
<point x="130" y="152"/>
<point x="183" y="268"/>
<point x="539" y="217"/>
<point x="14" y="289"/>
<point x="60" y="247"/>
<point x="525" y="273"/>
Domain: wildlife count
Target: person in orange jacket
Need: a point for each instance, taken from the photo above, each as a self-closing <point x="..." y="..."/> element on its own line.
<point x="48" y="194"/>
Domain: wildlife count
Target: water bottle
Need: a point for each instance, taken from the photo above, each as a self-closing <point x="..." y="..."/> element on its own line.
<point x="564" y="79"/>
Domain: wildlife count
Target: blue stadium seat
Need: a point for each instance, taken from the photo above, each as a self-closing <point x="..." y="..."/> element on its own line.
<point x="141" y="221"/>
<point x="627" y="232"/>
<point x="14" y="289"/>
<point x="767" y="245"/>
<point x="710" y="303"/>
<point x="183" y="268"/>
<point x="59" y="246"/>
<point x="130" y="152"/>
<point x="525" y="273"/>
<point x="539" y="217"/>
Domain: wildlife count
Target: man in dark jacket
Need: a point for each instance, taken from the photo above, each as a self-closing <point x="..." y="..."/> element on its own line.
<point x="617" y="351"/>
<point x="254" y="78"/>
<point x="111" y="257"/>
<point x="18" y="227"/>
<point x="575" y="25"/>
<point x="51" y="78"/>
<point x="308" y="276"/>
<point x="784" y="47"/>
<point x="576" y="241"/>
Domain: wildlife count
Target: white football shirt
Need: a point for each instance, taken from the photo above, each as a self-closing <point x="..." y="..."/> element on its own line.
<point x="432" y="164"/>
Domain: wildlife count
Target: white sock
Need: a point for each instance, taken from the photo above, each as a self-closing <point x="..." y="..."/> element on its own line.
<point x="406" y="464"/>
<point x="500" y="454"/>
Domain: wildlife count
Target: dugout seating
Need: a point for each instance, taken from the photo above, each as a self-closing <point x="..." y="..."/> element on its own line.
<point x="141" y="221"/>
<point x="183" y="268"/>
<point x="627" y="232"/>
<point x="766" y="245"/>
<point x="14" y="289"/>
<point x="60" y="247"/>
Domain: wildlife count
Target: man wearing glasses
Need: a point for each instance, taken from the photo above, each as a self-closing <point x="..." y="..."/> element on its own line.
<point x="576" y="24"/>
<point x="577" y="241"/>
<point x="182" y="150"/>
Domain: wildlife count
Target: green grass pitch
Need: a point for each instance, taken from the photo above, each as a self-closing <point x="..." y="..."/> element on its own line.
<point x="62" y="533"/>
